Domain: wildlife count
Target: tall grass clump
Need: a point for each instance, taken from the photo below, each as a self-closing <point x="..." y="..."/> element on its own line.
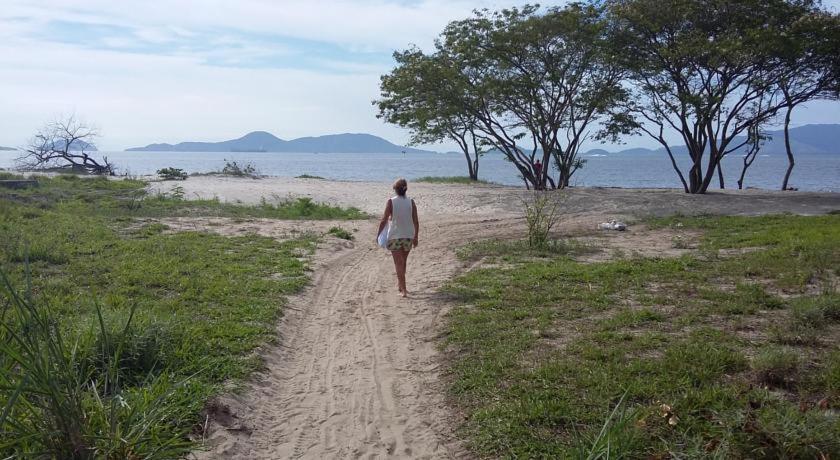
<point x="617" y="438"/>
<point x="57" y="403"/>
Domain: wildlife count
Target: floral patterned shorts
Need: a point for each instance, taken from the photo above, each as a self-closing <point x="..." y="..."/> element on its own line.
<point x="400" y="244"/>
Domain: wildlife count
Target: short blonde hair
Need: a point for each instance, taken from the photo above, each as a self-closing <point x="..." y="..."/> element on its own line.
<point x="400" y="186"/>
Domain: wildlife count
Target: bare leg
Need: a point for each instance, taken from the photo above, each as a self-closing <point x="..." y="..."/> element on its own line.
<point x="403" y="268"/>
<point x="397" y="255"/>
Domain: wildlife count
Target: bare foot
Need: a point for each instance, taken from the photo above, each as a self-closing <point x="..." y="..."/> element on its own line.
<point x="404" y="292"/>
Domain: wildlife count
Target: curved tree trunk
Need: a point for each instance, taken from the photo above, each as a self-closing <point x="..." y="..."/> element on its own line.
<point x="788" y="150"/>
<point x="754" y="138"/>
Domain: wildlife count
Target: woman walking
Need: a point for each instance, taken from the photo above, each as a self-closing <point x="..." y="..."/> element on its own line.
<point x="403" y="227"/>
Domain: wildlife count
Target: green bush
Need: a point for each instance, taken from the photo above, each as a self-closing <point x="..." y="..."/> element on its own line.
<point x="542" y="213"/>
<point x="172" y="174"/>
<point x="232" y="168"/>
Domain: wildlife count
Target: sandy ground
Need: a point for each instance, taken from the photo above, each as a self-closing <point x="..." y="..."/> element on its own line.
<point x="356" y="372"/>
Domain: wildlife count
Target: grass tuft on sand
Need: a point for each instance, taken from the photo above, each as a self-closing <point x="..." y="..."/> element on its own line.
<point x="200" y="305"/>
<point x="730" y="351"/>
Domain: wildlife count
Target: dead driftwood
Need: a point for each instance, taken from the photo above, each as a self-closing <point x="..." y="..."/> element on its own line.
<point x="19" y="183"/>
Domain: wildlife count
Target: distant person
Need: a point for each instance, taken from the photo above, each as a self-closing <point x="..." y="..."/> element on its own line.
<point x="403" y="227"/>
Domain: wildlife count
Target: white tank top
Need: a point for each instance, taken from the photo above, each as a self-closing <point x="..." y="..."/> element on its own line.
<point x="402" y="223"/>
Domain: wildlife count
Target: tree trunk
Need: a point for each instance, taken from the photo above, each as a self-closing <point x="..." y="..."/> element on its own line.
<point x="720" y="175"/>
<point x="695" y="177"/>
<point x="474" y="173"/>
<point x="751" y="154"/>
<point x="788" y="149"/>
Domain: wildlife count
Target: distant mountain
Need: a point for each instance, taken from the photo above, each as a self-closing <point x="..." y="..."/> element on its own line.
<point x="261" y="141"/>
<point x="810" y="139"/>
<point x="6" y="149"/>
<point x="77" y="146"/>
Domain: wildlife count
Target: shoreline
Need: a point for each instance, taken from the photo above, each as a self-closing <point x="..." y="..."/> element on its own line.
<point x="154" y="178"/>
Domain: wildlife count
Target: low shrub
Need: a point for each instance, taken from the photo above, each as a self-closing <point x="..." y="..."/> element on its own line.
<point x="172" y="174"/>
<point x="232" y="168"/>
<point x="542" y="213"/>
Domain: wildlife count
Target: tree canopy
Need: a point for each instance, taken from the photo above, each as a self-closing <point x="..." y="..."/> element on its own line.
<point x="529" y="85"/>
<point x="536" y="84"/>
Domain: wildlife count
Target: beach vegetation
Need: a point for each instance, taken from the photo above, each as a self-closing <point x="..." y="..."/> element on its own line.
<point x="542" y="213"/>
<point x="653" y="357"/>
<point x="339" y="232"/>
<point x="172" y="174"/>
<point x="116" y="329"/>
<point x="232" y="168"/>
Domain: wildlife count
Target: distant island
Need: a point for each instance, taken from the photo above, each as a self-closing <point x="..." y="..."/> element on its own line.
<point x="261" y="141"/>
<point x="808" y="139"/>
<point x="7" y="149"/>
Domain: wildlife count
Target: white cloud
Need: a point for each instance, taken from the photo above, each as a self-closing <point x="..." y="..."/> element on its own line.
<point x="140" y="98"/>
<point x="361" y="24"/>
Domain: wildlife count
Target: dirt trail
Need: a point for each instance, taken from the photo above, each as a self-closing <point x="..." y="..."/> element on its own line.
<point x="355" y="375"/>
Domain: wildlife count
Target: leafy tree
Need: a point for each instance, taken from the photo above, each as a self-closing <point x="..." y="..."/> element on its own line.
<point x="806" y="56"/>
<point x="700" y="69"/>
<point x="530" y="85"/>
<point x="556" y="77"/>
<point x="426" y="95"/>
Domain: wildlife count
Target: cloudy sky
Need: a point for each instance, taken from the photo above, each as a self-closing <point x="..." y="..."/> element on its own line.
<point x="174" y="70"/>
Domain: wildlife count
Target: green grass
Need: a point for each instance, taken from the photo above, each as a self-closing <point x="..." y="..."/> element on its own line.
<point x="508" y="250"/>
<point x="129" y="199"/>
<point x="201" y="303"/>
<point x="339" y="232"/>
<point x="739" y="345"/>
<point x="450" y="180"/>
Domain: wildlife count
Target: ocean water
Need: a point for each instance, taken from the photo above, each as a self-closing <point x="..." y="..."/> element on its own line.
<point x="812" y="172"/>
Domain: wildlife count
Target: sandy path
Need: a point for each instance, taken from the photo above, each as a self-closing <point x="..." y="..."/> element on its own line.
<point x="355" y="374"/>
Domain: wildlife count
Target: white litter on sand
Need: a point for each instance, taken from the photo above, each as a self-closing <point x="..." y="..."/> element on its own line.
<point x="613" y="225"/>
